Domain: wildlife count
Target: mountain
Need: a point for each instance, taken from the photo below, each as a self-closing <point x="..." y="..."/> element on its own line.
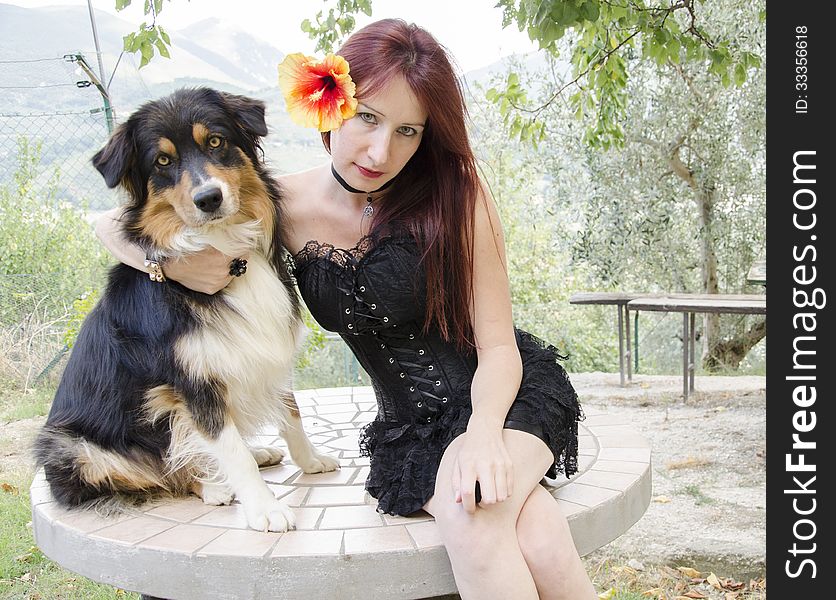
<point x="208" y="51"/>
<point x="40" y="100"/>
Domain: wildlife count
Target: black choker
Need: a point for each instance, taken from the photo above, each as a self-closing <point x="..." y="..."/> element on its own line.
<point x="369" y="209"/>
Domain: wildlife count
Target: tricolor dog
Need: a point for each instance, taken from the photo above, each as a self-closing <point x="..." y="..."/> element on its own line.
<point x="164" y="384"/>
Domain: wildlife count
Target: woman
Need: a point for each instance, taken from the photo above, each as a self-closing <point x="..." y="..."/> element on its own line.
<point x="472" y="412"/>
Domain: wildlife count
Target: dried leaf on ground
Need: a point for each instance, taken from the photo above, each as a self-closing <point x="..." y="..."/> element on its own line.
<point x="713" y="581"/>
<point x="9" y="488"/>
<point x="731" y="584"/>
<point x="689" y="572"/>
<point x="692" y="462"/>
<point x="662" y="499"/>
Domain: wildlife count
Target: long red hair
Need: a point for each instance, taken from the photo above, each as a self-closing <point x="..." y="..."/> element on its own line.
<point x="435" y="193"/>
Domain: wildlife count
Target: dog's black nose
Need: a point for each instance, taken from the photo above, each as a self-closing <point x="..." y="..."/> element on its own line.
<point x="209" y="200"/>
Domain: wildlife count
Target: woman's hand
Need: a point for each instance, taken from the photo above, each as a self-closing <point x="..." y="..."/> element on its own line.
<point x="482" y="457"/>
<point x="206" y="271"/>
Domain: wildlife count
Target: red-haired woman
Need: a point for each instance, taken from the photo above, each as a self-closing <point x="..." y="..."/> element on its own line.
<point x="472" y="411"/>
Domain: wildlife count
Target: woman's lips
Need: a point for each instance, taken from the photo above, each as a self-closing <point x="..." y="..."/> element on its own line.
<point x="367" y="173"/>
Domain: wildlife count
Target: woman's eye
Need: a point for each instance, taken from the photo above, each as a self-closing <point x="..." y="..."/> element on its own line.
<point x="407" y="131"/>
<point x="215" y="141"/>
<point x="163" y="160"/>
<point x="367" y="117"/>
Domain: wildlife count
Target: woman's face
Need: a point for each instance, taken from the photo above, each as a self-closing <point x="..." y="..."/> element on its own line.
<point x="372" y="147"/>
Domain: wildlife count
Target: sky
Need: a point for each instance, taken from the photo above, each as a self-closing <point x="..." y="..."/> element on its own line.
<point x="470" y="29"/>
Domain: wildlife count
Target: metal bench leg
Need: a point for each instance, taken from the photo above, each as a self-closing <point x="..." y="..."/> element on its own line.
<point x="621" y="342"/>
<point x="685" y="344"/>
<point x="692" y="367"/>
<point x="628" y="355"/>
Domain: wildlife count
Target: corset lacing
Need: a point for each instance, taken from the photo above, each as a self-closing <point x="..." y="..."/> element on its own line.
<point x="425" y="381"/>
<point x="362" y="308"/>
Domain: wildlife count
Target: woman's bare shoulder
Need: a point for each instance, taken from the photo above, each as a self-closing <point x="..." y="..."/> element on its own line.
<point x="297" y="187"/>
<point x="299" y="202"/>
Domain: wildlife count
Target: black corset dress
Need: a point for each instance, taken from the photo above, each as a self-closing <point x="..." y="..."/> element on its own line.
<point x="373" y="296"/>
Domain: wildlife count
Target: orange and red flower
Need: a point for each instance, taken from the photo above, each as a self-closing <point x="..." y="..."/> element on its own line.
<point x="318" y="93"/>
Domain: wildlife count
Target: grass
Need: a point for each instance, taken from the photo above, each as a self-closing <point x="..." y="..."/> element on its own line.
<point x="662" y="582"/>
<point x="16" y="405"/>
<point x="25" y="573"/>
<point x="697" y="494"/>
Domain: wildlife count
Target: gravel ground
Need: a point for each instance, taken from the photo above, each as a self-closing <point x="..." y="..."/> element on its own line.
<point x="709" y="470"/>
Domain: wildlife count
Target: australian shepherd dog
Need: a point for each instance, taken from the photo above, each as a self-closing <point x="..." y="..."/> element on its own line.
<point x="164" y="384"/>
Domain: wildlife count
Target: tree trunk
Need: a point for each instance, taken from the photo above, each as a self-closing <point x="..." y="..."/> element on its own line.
<point x="716" y="353"/>
<point x="729" y="353"/>
<point x="704" y="197"/>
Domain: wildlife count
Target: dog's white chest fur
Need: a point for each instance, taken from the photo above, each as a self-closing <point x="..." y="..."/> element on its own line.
<point x="247" y="340"/>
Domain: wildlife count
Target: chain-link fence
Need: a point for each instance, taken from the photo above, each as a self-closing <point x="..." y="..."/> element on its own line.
<point x="52" y="120"/>
<point x="36" y="312"/>
<point x="51" y="103"/>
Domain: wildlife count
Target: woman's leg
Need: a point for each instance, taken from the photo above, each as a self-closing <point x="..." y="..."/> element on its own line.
<point x="483" y="547"/>
<point x="549" y="552"/>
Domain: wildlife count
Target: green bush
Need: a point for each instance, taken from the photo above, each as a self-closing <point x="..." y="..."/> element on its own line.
<point x="50" y="254"/>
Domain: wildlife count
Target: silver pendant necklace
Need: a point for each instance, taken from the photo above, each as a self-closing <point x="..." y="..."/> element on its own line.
<point x="368" y="210"/>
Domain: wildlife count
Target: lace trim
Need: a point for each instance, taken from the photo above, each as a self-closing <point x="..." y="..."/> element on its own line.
<point x="342" y="256"/>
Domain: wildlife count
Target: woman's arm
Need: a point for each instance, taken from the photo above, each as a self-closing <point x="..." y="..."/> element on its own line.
<point x="483" y="456"/>
<point x="206" y="271"/>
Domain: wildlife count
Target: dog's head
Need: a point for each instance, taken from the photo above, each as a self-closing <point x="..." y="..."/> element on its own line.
<point x="189" y="161"/>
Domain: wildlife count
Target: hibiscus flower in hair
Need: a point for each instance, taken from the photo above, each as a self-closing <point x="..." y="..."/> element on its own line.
<point x="318" y="93"/>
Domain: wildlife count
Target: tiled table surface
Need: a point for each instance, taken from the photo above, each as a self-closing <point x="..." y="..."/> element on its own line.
<point x="185" y="549"/>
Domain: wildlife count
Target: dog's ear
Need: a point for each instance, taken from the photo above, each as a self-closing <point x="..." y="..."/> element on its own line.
<point x="117" y="156"/>
<point x="247" y="112"/>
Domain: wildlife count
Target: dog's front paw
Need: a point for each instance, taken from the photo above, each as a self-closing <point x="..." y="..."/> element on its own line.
<point x="216" y="494"/>
<point x="320" y="463"/>
<point x="269" y="514"/>
<point x="266" y="456"/>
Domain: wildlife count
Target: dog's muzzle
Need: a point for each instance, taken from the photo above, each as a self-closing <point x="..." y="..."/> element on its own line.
<point x="209" y="200"/>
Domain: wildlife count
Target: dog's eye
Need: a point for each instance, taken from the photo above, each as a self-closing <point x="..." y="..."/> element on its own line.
<point x="215" y="141"/>
<point x="163" y="160"/>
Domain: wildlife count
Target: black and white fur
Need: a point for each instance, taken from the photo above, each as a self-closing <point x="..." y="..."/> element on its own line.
<point x="164" y="384"/>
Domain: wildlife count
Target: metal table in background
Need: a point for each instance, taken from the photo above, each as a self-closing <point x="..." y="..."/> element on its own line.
<point x="689" y="305"/>
<point x="757" y="272"/>
<point x="620" y="300"/>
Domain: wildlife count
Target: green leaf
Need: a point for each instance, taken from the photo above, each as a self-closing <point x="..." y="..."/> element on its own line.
<point x="122" y="4"/>
<point x="590" y="10"/>
<point x="147" y="51"/>
<point x="617" y="11"/>
<point x="158" y="6"/>
<point x="127" y="42"/>
<point x="161" y="48"/>
<point x="739" y="74"/>
<point x="164" y="36"/>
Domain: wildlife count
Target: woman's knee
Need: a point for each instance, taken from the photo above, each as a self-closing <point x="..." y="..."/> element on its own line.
<point x="543" y="532"/>
<point x="475" y="534"/>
